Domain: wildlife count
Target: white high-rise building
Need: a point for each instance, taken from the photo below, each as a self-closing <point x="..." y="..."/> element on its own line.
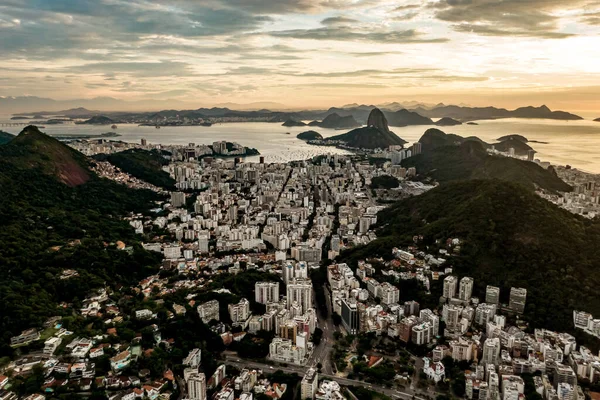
<point x="266" y="292"/>
<point x="491" y="351"/>
<point x="294" y="270"/>
<point x="450" y="283"/>
<point x="428" y="316"/>
<point x="517" y="299"/>
<point x="309" y="384"/>
<point x="465" y="288"/>
<point x="240" y="313"/>
<point x="196" y="385"/>
<point x="209" y="311"/>
<point x="301" y="292"/>
<point x="492" y="295"/>
<point x="388" y="293"/>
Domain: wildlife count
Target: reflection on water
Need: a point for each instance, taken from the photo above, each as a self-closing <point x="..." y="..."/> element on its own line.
<point x="575" y="142"/>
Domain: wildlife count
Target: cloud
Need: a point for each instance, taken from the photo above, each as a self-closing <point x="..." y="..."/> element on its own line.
<point x="363" y="34"/>
<point x="591" y="18"/>
<point x="136" y="69"/>
<point x="339" y="21"/>
<point x="530" y="18"/>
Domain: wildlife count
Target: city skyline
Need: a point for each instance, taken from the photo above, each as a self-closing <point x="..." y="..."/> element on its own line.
<point x="303" y="54"/>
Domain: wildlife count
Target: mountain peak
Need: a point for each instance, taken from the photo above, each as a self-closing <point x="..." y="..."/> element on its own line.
<point x="378" y="120"/>
<point x="34" y="149"/>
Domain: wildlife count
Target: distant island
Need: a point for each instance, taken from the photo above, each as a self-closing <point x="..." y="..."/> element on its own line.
<point x="309" y="135"/>
<point x="84" y="137"/>
<point x="291" y="122"/>
<point x="97" y="120"/>
<point x="597" y="120"/>
<point x="447" y="121"/>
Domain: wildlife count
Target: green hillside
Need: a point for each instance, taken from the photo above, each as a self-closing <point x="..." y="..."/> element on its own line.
<point x="143" y="164"/>
<point x="471" y="161"/>
<point x="5" y="137"/>
<point x="369" y="138"/>
<point x="57" y="214"/>
<point x="511" y="237"/>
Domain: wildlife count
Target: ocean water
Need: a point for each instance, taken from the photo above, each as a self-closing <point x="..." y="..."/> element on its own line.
<point x="576" y="143"/>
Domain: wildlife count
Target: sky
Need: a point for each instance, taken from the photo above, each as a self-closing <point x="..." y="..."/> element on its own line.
<point x="304" y="53"/>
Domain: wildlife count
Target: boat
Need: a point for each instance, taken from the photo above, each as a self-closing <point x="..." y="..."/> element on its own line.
<point x="287" y="133"/>
<point x="157" y="126"/>
<point x="113" y="127"/>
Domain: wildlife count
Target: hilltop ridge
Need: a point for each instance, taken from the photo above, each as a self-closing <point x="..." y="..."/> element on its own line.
<point x="447" y="158"/>
<point x="509" y="238"/>
<point x="34" y="149"/>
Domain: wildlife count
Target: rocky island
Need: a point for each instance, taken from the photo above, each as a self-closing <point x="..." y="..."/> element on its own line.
<point x="291" y="122"/>
<point x="447" y="121"/>
<point x="309" y="135"/>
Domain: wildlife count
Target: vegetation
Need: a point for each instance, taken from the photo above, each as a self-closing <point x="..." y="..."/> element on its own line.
<point x="369" y="138"/>
<point x="99" y="120"/>
<point x="5" y="137"/>
<point x="407" y="118"/>
<point x="384" y="182"/>
<point x="309" y="135"/>
<point x="471" y="161"/>
<point x="291" y="122"/>
<point x="56" y="214"/>
<point x="335" y="121"/>
<point x="446" y="121"/>
<point x="520" y="147"/>
<point x="511" y="237"/>
<point x="143" y="164"/>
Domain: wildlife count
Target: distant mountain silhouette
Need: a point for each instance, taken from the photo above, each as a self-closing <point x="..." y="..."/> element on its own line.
<point x="335" y="121"/>
<point x="446" y="121"/>
<point x="291" y="122"/>
<point x="375" y="136"/>
<point x="477" y="113"/>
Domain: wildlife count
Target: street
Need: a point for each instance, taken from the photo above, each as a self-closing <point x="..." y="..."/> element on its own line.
<point x="300" y="370"/>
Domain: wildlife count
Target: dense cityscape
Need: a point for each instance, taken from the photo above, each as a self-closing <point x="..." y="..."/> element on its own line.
<point x="299" y="200"/>
<point x="253" y="254"/>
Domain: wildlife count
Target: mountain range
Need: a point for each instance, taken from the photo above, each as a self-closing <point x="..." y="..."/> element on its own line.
<point x="113" y="107"/>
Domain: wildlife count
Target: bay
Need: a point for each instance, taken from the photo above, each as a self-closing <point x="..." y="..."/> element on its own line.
<point x="576" y="143"/>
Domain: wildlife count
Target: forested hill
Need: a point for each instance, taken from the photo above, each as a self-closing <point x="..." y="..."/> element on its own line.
<point x="471" y="161"/>
<point x="511" y="237"/>
<point x="5" y="137"/>
<point x="143" y="164"/>
<point x="57" y="214"/>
